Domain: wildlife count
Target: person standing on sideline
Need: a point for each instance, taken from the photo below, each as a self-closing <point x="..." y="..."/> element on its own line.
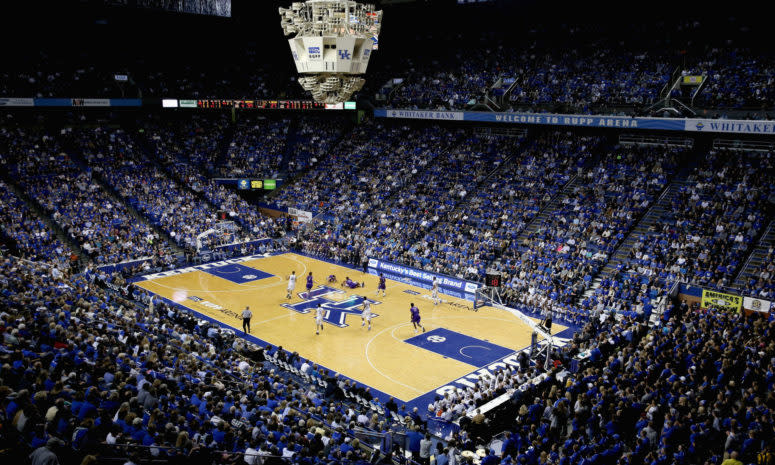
<point x="425" y="449"/>
<point x="435" y="292"/>
<point x="381" y="285"/>
<point x="414" y="438"/>
<point x="246" y="316"/>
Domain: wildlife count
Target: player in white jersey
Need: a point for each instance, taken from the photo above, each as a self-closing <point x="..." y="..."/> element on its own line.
<point x="291" y="284"/>
<point x="435" y="292"/>
<point x="366" y="313"/>
<point x="319" y="312"/>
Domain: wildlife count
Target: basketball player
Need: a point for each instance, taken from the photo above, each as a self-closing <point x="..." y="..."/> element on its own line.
<point x="381" y="285"/>
<point x="416" y="318"/>
<point x="309" y="282"/>
<point x="291" y="284"/>
<point x="366" y="313"/>
<point x="350" y="283"/>
<point x="332" y="278"/>
<point x="435" y="292"/>
<point x="319" y="312"/>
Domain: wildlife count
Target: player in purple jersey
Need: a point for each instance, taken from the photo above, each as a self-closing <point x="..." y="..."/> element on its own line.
<point x="381" y="286"/>
<point x="350" y="283"/>
<point x="309" y="281"/>
<point x="332" y="278"/>
<point x="416" y="318"/>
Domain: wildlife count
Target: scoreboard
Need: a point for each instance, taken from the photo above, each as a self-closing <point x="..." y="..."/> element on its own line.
<point x="262" y="104"/>
<point x="257" y="104"/>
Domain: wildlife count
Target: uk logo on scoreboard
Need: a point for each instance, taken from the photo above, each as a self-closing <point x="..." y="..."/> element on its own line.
<point x="335" y="302"/>
<point x="344" y="54"/>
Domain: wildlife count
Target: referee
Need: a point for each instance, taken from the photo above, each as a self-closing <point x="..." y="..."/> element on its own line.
<point x="246" y="316"/>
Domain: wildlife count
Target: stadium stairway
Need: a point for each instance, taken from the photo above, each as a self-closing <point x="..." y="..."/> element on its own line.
<point x="291" y="140"/>
<point x="223" y="145"/>
<point x="462" y="205"/>
<point x="549" y="209"/>
<point x="756" y="258"/>
<point x="110" y="191"/>
<point x="649" y="219"/>
<point x="41" y="213"/>
<point x="165" y="165"/>
<point x="151" y="154"/>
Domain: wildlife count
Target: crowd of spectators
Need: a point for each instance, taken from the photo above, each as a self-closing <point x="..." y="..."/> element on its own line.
<point x="96" y="367"/>
<point x="34" y="239"/>
<point x="313" y="139"/>
<point x="494" y="215"/>
<point x="761" y="282"/>
<point x="581" y="75"/>
<point x="92" y="368"/>
<point x="551" y="266"/>
<point x="190" y="151"/>
<point x="579" y="79"/>
<point x="116" y="155"/>
<point x="579" y="71"/>
<point x="91" y="371"/>
<point x="66" y="191"/>
<point x="704" y="235"/>
<point x="257" y="149"/>
<point x="692" y="390"/>
<point x="373" y="166"/>
<point x="413" y="227"/>
<point x="736" y="78"/>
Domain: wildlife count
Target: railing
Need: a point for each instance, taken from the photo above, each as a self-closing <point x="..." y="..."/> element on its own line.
<point x="745" y="145"/>
<point x="635" y="139"/>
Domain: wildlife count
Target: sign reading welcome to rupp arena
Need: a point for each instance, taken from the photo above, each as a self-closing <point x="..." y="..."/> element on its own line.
<point x="590" y="121"/>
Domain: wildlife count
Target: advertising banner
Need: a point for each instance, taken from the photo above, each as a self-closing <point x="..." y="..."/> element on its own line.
<point x="16" y="102"/>
<point x="730" y="126"/>
<point x="421" y="114"/>
<point x="303" y="216"/>
<point x="423" y="276"/>
<point x="757" y="305"/>
<point x="596" y="121"/>
<point x="90" y="102"/>
<point x="720" y="300"/>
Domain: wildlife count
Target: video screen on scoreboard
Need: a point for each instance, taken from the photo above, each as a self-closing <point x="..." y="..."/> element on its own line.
<point x="196" y="7"/>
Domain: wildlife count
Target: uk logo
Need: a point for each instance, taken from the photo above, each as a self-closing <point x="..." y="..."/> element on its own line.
<point x="344" y="54"/>
<point x="335" y="303"/>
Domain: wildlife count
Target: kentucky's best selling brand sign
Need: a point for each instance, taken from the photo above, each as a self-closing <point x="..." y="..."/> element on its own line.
<point x="423" y="276"/>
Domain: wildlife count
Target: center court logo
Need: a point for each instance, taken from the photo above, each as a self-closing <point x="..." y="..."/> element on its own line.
<point x="437" y="339"/>
<point x="249" y="276"/>
<point x="335" y="302"/>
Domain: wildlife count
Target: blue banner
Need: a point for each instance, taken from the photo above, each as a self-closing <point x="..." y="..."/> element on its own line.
<point x="72" y="102"/>
<point x="120" y="266"/>
<point x="590" y="121"/>
<point x="53" y="102"/>
<point x="414" y="274"/>
<point x="126" y="102"/>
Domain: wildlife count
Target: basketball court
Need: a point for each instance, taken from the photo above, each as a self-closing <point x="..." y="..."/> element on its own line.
<point x="391" y="359"/>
